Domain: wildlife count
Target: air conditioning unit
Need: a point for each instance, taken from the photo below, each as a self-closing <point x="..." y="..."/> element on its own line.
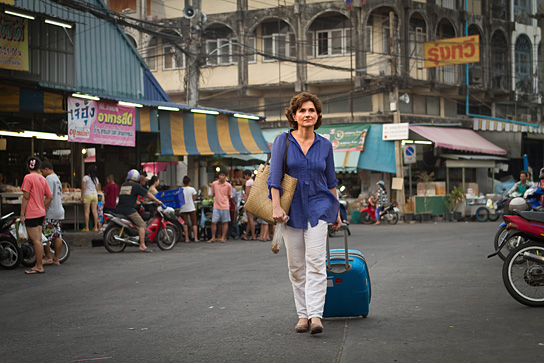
<point x="475" y="75"/>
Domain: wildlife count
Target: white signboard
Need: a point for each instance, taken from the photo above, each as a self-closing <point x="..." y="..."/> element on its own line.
<point x="409" y="152"/>
<point x="395" y="131"/>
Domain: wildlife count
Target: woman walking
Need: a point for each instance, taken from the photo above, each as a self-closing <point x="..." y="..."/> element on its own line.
<point x="89" y="194"/>
<point x="33" y="207"/>
<point x="310" y="160"/>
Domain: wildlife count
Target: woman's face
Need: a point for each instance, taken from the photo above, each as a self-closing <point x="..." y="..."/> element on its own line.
<point x="306" y="115"/>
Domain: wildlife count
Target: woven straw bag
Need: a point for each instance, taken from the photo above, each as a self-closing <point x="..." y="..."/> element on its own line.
<point x="258" y="202"/>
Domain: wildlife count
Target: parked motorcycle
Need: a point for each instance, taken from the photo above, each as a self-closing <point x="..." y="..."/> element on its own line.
<point x="10" y="254"/>
<point x="523" y="268"/>
<point x="29" y="254"/>
<point x="389" y="213"/>
<point x="121" y="232"/>
<point x="530" y="201"/>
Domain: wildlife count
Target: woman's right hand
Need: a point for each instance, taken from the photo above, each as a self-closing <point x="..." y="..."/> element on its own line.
<point x="278" y="214"/>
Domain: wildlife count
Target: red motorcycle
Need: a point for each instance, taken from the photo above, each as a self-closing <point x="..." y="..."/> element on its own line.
<point x="121" y="232"/>
<point x="523" y="269"/>
<point x="389" y="213"/>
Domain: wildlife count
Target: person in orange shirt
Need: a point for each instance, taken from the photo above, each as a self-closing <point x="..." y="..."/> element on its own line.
<point x="36" y="199"/>
<point x="221" y="194"/>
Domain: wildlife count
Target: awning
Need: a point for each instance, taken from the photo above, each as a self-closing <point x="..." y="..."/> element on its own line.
<point x="379" y="155"/>
<point x="17" y="99"/>
<point x="458" y="139"/>
<point x="188" y="133"/>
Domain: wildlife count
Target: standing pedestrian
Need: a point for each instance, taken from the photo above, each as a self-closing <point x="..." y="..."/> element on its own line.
<point x="89" y="194"/>
<point x="310" y="160"/>
<point x="188" y="210"/>
<point x="381" y="200"/>
<point x="53" y="216"/>
<point x="221" y="194"/>
<point x="250" y="228"/>
<point x="33" y="207"/>
<point x="111" y="192"/>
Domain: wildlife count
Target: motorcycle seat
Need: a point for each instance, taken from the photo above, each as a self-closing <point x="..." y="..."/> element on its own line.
<point x="531" y="216"/>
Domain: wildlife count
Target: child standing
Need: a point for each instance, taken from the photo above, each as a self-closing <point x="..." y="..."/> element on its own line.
<point x="100" y="211"/>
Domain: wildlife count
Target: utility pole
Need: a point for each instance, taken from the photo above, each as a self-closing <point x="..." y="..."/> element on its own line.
<point x="540" y="17"/>
<point x="195" y="58"/>
<point x="394" y="100"/>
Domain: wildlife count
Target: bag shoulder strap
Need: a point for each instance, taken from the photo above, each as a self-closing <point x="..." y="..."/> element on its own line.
<point x="285" y="169"/>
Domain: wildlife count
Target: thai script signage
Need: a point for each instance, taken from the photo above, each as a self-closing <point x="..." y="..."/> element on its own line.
<point x="451" y="51"/>
<point x="97" y="122"/>
<point x="395" y="131"/>
<point x="350" y="137"/>
<point x="13" y="43"/>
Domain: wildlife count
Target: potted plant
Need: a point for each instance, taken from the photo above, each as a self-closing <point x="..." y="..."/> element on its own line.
<point x="426" y="178"/>
<point x="455" y="200"/>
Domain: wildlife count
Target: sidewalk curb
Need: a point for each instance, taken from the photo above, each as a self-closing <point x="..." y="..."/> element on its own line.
<point x="82" y="239"/>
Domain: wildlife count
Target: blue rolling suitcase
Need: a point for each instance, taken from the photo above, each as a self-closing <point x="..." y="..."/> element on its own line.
<point x="348" y="282"/>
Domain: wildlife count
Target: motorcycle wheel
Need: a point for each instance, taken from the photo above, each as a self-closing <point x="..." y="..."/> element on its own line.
<point x="10" y="254"/>
<point x="482" y="214"/>
<point x="513" y="242"/>
<point x="166" y="238"/>
<point x="523" y="274"/>
<point x="498" y="238"/>
<point x="365" y="218"/>
<point x="392" y="218"/>
<point x="495" y="216"/>
<point x="28" y="258"/>
<point x="110" y="243"/>
<point x="64" y="253"/>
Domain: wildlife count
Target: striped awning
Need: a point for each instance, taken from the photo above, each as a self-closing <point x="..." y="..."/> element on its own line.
<point x="188" y="133"/>
<point x="480" y="124"/>
<point x="17" y="99"/>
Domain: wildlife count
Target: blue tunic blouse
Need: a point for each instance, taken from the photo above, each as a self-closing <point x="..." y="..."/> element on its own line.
<point x="316" y="175"/>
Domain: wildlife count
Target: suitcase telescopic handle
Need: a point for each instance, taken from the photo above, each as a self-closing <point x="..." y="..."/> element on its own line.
<point x="343" y="227"/>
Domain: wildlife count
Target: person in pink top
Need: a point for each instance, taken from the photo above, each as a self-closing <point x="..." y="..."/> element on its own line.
<point x="222" y="193"/>
<point x="36" y="199"/>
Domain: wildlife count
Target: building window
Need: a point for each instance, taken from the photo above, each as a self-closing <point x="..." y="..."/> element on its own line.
<point x="522" y="10"/>
<point x="330" y="36"/>
<point x="151" y="57"/>
<point x="498" y="9"/>
<point x="251" y="50"/>
<point x="172" y="59"/>
<point x="524" y="74"/>
<point x="448" y="4"/>
<point x="368" y="39"/>
<point x="499" y="61"/>
<point x="278" y="46"/>
<point x="222" y="52"/>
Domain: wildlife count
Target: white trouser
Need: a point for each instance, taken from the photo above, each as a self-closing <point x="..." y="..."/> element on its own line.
<point x="306" y="258"/>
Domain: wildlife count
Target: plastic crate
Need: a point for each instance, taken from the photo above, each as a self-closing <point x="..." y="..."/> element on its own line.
<point x="172" y="198"/>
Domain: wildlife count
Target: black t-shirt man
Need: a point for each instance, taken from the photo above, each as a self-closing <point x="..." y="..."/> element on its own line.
<point x="128" y="195"/>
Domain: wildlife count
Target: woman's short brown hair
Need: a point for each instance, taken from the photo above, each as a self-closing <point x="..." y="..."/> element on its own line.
<point x="297" y="102"/>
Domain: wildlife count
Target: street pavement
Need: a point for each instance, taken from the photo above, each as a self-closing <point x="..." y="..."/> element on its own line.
<point x="435" y="298"/>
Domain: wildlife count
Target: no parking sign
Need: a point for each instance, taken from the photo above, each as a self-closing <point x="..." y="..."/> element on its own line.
<point x="409" y="154"/>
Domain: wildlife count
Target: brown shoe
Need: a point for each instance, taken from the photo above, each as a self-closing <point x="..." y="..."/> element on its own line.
<point x="302" y="328"/>
<point x="316" y="328"/>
